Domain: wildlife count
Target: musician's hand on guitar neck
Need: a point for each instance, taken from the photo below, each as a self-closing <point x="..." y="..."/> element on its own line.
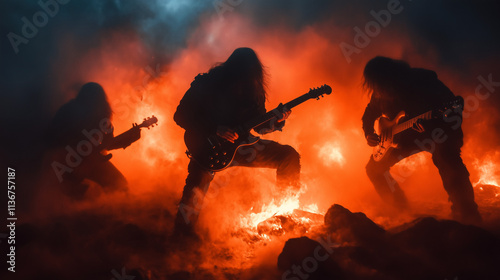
<point x="417" y="126"/>
<point x="372" y="139"/>
<point x="284" y="115"/>
<point x="227" y="133"/>
<point x="136" y="134"/>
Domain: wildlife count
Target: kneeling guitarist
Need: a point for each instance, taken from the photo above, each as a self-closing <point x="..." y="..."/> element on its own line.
<point x="79" y="138"/>
<point x="403" y="98"/>
<point x="217" y="102"/>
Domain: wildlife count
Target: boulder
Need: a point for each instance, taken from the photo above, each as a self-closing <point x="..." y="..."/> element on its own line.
<point x="304" y="258"/>
<point x="353" y="227"/>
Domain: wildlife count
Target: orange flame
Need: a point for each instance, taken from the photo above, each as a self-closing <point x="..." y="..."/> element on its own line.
<point x="328" y="132"/>
<point x="281" y="206"/>
<point x="488" y="173"/>
<point x="331" y="153"/>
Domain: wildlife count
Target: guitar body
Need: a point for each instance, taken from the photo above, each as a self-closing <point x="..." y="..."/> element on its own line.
<point x="388" y="129"/>
<point x="213" y="152"/>
<point x="387" y="141"/>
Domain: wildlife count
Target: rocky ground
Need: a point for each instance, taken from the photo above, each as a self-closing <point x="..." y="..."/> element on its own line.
<point x="125" y="244"/>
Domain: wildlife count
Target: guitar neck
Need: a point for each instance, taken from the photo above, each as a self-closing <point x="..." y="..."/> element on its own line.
<point x="120" y="141"/>
<point x="129" y="136"/>
<point x="409" y="123"/>
<point x="273" y="113"/>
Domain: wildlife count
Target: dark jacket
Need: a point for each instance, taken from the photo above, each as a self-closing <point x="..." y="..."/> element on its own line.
<point x="420" y="92"/>
<point x="209" y="103"/>
<point x="71" y="120"/>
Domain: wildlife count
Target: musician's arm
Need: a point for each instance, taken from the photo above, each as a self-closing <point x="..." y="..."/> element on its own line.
<point x="189" y="114"/>
<point x="453" y="118"/>
<point x="371" y="114"/>
<point x="269" y="126"/>
<point x="125" y="139"/>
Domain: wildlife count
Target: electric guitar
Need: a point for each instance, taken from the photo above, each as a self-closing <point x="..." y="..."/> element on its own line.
<point x="216" y="153"/>
<point x="126" y="138"/>
<point x="388" y="129"/>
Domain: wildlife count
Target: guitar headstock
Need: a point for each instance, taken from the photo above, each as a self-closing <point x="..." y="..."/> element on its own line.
<point x="456" y="105"/>
<point x="319" y="91"/>
<point x="149" y="122"/>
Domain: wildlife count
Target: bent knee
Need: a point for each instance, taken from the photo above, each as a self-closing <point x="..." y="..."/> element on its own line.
<point x="290" y="153"/>
<point x="373" y="169"/>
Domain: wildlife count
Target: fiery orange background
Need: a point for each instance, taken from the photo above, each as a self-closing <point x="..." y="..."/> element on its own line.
<point x="327" y="133"/>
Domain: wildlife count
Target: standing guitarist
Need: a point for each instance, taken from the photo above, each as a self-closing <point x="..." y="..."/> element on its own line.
<point x="395" y="87"/>
<point x="228" y="95"/>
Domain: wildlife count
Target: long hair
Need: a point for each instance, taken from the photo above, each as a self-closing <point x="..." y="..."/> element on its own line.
<point x="92" y="96"/>
<point x="384" y="76"/>
<point x="244" y="69"/>
<point x="85" y="111"/>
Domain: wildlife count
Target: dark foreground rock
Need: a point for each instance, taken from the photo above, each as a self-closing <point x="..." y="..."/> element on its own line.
<point x="451" y="248"/>
<point x="423" y="249"/>
<point x="304" y="258"/>
<point x="353" y="226"/>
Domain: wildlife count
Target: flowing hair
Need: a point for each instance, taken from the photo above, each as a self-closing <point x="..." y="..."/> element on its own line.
<point x="384" y="76"/>
<point x="92" y="96"/>
<point x="244" y="69"/>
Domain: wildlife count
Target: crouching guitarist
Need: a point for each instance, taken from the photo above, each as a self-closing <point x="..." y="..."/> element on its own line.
<point x="395" y="88"/>
<point x="79" y="138"/>
<point x="230" y="94"/>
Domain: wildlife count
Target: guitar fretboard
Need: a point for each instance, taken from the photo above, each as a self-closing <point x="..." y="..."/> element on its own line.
<point x="409" y="123"/>
<point x="271" y="114"/>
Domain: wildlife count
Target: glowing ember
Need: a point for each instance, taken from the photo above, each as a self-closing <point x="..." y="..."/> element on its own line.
<point x="296" y="223"/>
<point x="331" y="153"/>
<point x="285" y="206"/>
<point x="279" y="207"/>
